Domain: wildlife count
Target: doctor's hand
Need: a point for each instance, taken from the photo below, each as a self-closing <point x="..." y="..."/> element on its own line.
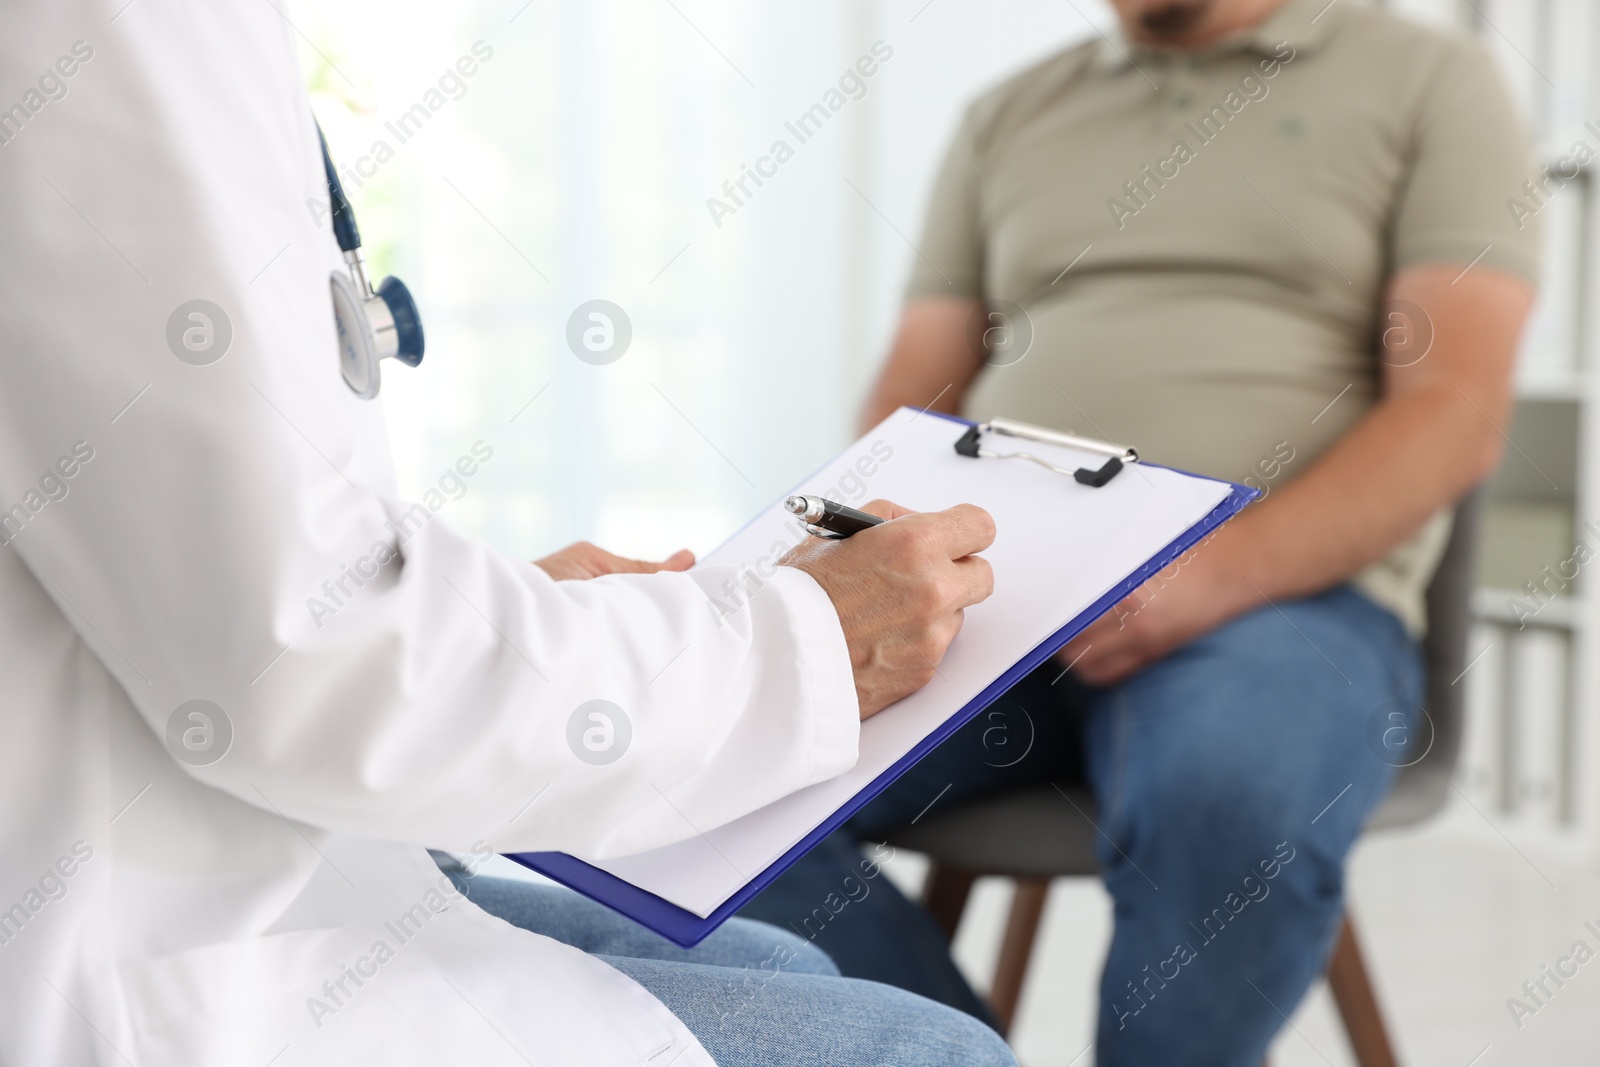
<point x="900" y="590"/>
<point x="583" y="560"/>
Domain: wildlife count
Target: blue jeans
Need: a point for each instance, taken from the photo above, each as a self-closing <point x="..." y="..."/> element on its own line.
<point x="1231" y="778"/>
<point x="753" y="995"/>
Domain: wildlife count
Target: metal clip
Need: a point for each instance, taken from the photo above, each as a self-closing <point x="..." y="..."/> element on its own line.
<point x="970" y="444"/>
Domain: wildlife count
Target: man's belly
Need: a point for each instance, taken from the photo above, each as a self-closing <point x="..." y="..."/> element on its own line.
<point x="1205" y="382"/>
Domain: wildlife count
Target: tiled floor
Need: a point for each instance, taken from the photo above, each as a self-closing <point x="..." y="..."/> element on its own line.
<point x="1454" y="918"/>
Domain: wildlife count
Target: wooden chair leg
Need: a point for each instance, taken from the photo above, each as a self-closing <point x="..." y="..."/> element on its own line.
<point x="1027" y="908"/>
<point x="945" y="895"/>
<point x="1352" y="990"/>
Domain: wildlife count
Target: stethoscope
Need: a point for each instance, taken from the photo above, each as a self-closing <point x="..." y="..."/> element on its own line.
<point x="372" y="324"/>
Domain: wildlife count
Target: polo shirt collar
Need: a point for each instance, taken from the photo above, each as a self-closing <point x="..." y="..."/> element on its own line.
<point x="1305" y="24"/>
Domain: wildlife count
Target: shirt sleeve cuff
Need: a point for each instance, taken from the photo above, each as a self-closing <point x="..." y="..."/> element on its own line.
<point x="824" y="676"/>
<point x="1464" y="249"/>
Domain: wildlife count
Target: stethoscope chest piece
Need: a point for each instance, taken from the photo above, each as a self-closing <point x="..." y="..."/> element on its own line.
<point x="358" y="355"/>
<point x="372" y="325"/>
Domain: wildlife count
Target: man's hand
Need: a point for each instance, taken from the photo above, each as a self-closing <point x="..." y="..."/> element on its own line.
<point x="583" y="560"/>
<point x="900" y="590"/>
<point x="1173" y="608"/>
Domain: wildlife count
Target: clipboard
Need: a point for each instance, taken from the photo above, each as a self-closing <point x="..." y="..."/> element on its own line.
<point x="1076" y="472"/>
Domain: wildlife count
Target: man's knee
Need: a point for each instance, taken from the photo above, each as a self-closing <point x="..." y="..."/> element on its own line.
<point x="1226" y="817"/>
<point x="972" y="1042"/>
<point x="773" y="949"/>
<point x="1211" y="793"/>
<point x="1228" y="749"/>
<point x="936" y="1034"/>
<point x="802" y="957"/>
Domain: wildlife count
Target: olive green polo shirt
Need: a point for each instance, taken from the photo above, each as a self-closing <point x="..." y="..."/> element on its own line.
<point x="1199" y="241"/>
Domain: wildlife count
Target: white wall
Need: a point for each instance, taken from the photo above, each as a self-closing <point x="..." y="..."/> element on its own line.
<point x="577" y="165"/>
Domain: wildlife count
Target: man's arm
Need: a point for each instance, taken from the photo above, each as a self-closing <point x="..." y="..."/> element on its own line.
<point x="1435" y="433"/>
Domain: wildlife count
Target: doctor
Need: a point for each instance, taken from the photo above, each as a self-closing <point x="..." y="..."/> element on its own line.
<point x="213" y="808"/>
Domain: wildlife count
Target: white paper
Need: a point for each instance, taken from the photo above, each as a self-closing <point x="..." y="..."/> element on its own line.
<point x="1060" y="546"/>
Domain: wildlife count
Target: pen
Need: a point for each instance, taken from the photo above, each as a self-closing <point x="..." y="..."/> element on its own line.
<point x="828" y="518"/>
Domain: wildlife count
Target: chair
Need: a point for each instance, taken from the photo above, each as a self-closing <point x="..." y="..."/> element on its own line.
<point x="1042" y="832"/>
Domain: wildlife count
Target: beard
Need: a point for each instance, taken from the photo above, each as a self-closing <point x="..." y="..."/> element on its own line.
<point x="1173" y="21"/>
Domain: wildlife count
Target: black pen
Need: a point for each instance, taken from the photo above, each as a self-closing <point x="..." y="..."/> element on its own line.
<point x="828" y="518"/>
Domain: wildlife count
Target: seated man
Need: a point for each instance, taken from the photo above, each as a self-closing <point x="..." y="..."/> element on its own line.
<point x="1266" y="241"/>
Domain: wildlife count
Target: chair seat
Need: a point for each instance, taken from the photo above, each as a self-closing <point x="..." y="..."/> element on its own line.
<point x="1416" y="796"/>
<point x="1042" y="831"/>
<point x="1032" y="832"/>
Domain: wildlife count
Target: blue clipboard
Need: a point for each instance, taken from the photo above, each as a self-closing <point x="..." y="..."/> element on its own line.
<point x="688" y="929"/>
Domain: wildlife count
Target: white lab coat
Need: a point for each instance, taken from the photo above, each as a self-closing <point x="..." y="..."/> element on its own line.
<point x="158" y="913"/>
